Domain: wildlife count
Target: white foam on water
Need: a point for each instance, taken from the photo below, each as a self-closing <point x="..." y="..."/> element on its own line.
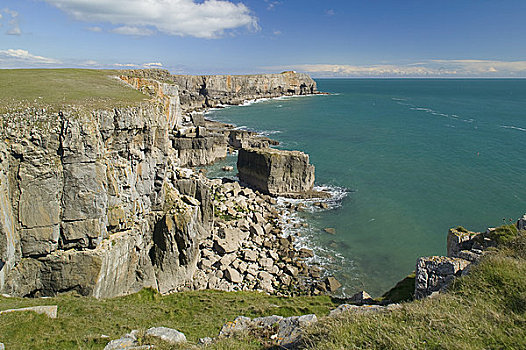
<point x="513" y="127"/>
<point x="269" y="132"/>
<point x="307" y="236"/>
<point x="439" y="114"/>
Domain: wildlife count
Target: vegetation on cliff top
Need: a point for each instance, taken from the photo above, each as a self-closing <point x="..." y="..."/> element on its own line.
<point x="54" y="88"/>
<point x="82" y="321"/>
<point x="483" y="310"/>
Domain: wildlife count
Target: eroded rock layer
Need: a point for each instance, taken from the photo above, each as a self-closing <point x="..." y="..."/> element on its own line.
<point x="95" y="201"/>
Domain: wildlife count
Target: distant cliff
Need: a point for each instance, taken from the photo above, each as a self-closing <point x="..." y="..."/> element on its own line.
<point x="198" y="91"/>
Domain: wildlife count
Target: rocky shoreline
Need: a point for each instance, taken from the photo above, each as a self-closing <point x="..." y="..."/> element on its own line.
<point x="102" y="202"/>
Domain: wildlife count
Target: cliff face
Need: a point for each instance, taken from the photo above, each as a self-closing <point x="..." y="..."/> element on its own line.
<point x="196" y="143"/>
<point x="95" y="201"/>
<point x="92" y="202"/>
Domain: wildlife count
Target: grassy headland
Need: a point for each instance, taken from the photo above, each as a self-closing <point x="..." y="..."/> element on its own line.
<point x="55" y="88"/>
<point x="484" y="310"/>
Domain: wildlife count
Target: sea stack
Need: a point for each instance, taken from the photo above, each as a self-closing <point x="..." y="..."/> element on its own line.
<point x="276" y="172"/>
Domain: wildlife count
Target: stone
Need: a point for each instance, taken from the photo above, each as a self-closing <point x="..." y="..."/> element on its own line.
<point x="205" y="341"/>
<point x="330" y="230"/>
<point x="265" y="281"/>
<point x="233" y="275"/>
<point x="256" y="230"/>
<point x="521" y="223"/>
<point x="459" y="239"/>
<point x="240" y="324"/>
<point x="250" y="255"/>
<point x="84" y="233"/>
<point x="49" y="311"/>
<point x="227" y="168"/>
<point x="361" y="298"/>
<point x="305" y="253"/>
<point x="292" y="270"/>
<point x="127" y="342"/>
<point x="436" y="273"/>
<point x="290" y="329"/>
<point x="168" y="335"/>
<point x="276" y="172"/>
<point x="40" y="240"/>
<point x="332" y="284"/>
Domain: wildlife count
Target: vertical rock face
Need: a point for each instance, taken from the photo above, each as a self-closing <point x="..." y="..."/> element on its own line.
<point x="434" y="274"/>
<point x="197" y="91"/>
<point x="276" y="172"/>
<point x="93" y="202"/>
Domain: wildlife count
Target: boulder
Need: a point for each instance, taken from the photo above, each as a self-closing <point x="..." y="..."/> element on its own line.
<point x="233" y="275"/>
<point x="361" y="298"/>
<point x="168" y="335"/>
<point x="276" y="172"/>
<point x="332" y="284"/>
<point x="521" y="223"/>
<point x="49" y="311"/>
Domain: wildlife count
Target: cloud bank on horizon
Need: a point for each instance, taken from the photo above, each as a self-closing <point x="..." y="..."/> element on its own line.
<point x="208" y="19"/>
<point x="430" y="68"/>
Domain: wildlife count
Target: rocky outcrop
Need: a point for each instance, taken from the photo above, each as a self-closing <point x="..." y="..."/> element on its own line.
<point x="285" y="332"/>
<point x="276" y="172"/>
<point x="94" y="203"/>
<point x="197" y="92"/>
<point x="195" y="141"/>
<point x="434" y="274"/>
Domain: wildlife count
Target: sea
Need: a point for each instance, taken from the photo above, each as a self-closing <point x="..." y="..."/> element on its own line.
<point x="405" y="160"/>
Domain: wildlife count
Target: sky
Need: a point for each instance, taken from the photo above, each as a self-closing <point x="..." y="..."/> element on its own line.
<point x="325" y="38"/>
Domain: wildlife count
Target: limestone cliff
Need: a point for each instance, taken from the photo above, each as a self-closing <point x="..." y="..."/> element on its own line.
<point x="198" y="91"/>
<point x="92" y="202"/>
<point x="196" y="141"/>
<point x="95" y="201"/>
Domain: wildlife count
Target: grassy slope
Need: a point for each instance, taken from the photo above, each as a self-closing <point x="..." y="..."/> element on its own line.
<point x="484" y="310"/>
<point x="53" y="88"/>
<point x="81" y="321"/>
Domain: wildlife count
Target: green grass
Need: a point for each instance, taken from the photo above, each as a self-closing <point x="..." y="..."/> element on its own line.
<point x="55" y="88"/>
<point x="484" y="310"/>
<point x="81" y="321"/>
<point x="504" y="233"/>
<point x="402" y="291"/>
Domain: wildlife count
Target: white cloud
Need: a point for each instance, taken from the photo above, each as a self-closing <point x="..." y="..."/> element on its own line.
<point x="431" y="68"/>
<point x="152" y="65"/>
<point x="137" y="31"/>
<point x="13" y="22"/>
<point x="90" y="63"/>
<point x="202" y="19"/>
<point x="271" y="5"/>
<point x="330" y="12"/>
<point x="23" y="56"/>
<point x="94" y="29"/>
<point x="126" y="65"/>
<point x="276" y="32"/>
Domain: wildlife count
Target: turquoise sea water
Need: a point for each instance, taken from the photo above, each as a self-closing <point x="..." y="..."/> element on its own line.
<point x="416" y="158"/>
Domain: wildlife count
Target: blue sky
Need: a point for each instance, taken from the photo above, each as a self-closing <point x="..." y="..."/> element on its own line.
<point x="330" y="38"/>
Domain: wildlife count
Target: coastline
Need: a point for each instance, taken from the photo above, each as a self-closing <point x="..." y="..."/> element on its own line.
<point x="311" y="260"/>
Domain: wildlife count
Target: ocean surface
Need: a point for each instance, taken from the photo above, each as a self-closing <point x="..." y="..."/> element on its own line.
<point x="407" y="159"/>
